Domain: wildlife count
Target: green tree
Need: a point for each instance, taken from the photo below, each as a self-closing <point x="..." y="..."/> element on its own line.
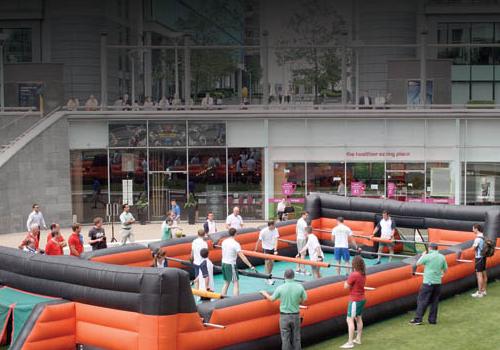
<point x="315" y="23"/>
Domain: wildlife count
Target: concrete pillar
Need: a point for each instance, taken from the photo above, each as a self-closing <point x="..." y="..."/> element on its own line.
<point x="344" y="76"/>
<point x="164" y="54"/>
<point x="423" y="69"/>
<point x="265" y="67"/>
<point x="187" y="72"/>
<point x="104" y="70"/>
<point x="148" y="73"/>
<point x="176" y="63"/>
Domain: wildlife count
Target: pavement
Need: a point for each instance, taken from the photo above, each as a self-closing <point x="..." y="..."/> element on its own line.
<point x="148" y="232"/>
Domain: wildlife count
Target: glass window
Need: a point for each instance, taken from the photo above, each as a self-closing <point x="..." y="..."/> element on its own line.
<point x="326" y="178"/>
<point x="483" y="183"/>
<point x="167" y="134"/>
<point x="131" y="165"/>
<point x="439" y="186"/>
<point x="458" y="33"/>
<point x="290" y="183"/>
<point x="406" y="182"/>
<point x="365" y="179"/>
<point x="482" y="91"/>
<point x="18" y="47"/>
<point x="207" y="134"/>
<point x="482" y="33"/>
<point x="496" y="50"/>
<point x="127" y="134"/>
<point x="442" y="38"/>
<point x="89" y="184"/>
<point x="460" y="93"/>
<point x="246" y="181"/>
<point x="207" y="180"/>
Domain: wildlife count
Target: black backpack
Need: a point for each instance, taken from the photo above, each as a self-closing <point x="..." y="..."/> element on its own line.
<point x="488" y="248"/>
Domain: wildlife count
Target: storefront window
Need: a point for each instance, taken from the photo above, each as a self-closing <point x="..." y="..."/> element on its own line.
<point x="289" y="183"/>
<point x="89" y="184"/>
<point x="482" y="183"/>
<point x="207" y="181"/>
<point x="326" y="178"/>
<point x="246" y="181"/>
<point x="167" y="134"/>
<point x="207" y="134"/>
<point x="127" y="134"/>
<point x="439" y="185"/>
<point x="366" y="179"/>
<point x="405" y="182"/>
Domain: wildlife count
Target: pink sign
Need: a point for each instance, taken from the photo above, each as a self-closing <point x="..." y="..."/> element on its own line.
<point x="357" y="188"/>
<point x="291" y="200"/>
<point x="391" y="189"/>
<point x="288" y="188"/>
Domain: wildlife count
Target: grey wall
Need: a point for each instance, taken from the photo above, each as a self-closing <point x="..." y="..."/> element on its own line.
<point x="37" y="173"/>
<point x="399" y="72"/>
<point x="11" y="126"/>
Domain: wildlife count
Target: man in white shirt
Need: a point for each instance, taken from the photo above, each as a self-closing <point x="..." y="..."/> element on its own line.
<point x="387" y="228"/>
<point x="36" y="217"/>
<point x="268" y="237"/>
<point x="210" y="226"/>
<point x="300" y="228"/>
<point x="231" y="250"/>
<point x="196" y="246"/>
<point x="314" y="250"/>
<point x="126" y="219"/>
<point x="281" y="208"/>
<point x="206" y="274"/>
<point x="234" y="220"/>
<point x="342" y="235"/>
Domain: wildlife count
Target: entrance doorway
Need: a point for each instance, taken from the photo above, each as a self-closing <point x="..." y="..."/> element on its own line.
<point x="165" y="186"/>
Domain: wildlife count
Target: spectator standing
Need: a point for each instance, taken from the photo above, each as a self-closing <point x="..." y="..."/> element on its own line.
<point x="291" y="294"/>
<point x="36" y="217"/>
<point x="210" y="225"/>
<point x="126" y="219"/>
<point x="60" y="237"/>
<point x="53" y="246"/>
<point x="91" y="104"/>
<point x="32" y="238"/>
<point x="281" y="208"/>
<point x="163" y="104"/>
<point x="97" y="235"/>
<point x="341" y="188"/>
<point x="148" y="104"/>
<point x="479" y="262"/>
<point x="75" y="241"/>
<point x="234" y="220"/>
<point x="435" y="266"/>
<point x="166" y="228"/>
<point x="71" y="104"/>
<point x="176" y="210"/>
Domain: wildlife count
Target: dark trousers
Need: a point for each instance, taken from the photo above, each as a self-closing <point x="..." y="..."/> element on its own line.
<point x="290" y="331"/>
<point x="428" y="296"/>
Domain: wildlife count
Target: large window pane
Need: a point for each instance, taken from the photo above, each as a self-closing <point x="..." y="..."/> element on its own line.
<point x="89" y="184"/>
<point x="481" y="91"/>
<point x="482" y="33"/>
<point x="207" y="180"/>
<point x="483" y="183"/>
<point x="326" y="178"/>
<point x="207" y="134"/>
<point x="406" y="182"/>
<point x="171" y="159"/>
<point x="18" y="47"/>
<point x="439" y="186"/>
<point x="167" y="134"/>
<point x="290" y="183"/>
<point x="459" y="34"/>
<point x="460" y="93"/>
<point x="246" y="181"/>
<point x="123" y="134"/>
<point x="365" y="179"/>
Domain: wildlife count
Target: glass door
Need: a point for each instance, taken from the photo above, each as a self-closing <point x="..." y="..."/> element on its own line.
<point x="165" y="186"/>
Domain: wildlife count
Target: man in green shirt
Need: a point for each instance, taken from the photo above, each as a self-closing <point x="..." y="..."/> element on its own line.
<point x="291" y="294"/>
<point x="435" y="266"/>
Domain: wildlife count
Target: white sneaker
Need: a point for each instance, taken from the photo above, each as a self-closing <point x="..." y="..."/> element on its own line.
<point x="355" y="341"/>
<point x="477" y="294"/>
<point x="347" y="346"/>
<point x="484" y="293"/>
<point x="270" y="281"/>
<point x="307" y="273"/>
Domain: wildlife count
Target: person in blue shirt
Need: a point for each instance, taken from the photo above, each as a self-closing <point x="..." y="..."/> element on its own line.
<point x="176" y="210"/>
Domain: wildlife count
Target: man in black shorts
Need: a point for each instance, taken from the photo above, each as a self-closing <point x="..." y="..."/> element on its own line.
<point x="480" y="262"/>
<point x="269" y="239"/>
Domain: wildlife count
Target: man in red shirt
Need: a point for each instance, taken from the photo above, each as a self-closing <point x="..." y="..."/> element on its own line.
<point x="356" y="285"/>
<point x="53" y="246"/>
<point x="75" y="241"/>
<point x="32" y="236"/>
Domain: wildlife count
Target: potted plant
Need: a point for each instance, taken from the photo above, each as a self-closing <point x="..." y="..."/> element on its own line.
<point x="142" y="205"/>
<point x="190" y="206"/>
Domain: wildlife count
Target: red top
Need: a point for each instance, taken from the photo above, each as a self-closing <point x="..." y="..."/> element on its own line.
<point x="53" y="248"/>
<point x="74" y="240"/>
<point x="31" y="238"/>
<point x="357" y="283"/>
<point x="59" y="239"/>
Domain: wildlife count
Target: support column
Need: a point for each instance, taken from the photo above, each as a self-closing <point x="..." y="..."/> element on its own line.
<point x="163" y="69"/>
<point x="148" y="79"/>
<point x="177" y="92"/>
<point x="104" y="70"/>
<point x="265" y="67"/>
<point x="187" y="72"/>
<point x="423" y="68"/>
<point x="344" y="76"/>
<point x="268" y="172"/>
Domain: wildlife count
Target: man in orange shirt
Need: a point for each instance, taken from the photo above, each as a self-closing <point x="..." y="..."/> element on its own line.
<point x="33" y="236"/>
<point x="75" y="241"/>
<point x="53" y="246"/>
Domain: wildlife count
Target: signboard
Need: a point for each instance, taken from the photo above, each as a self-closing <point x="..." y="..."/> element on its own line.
<point x="128" y="192"/>
<point x="391" y="189"/>
<point x="128" y="162"/>
<point x="288" y="188"/>
<point x="29" y="94"/>
<point x="357" y="188"/>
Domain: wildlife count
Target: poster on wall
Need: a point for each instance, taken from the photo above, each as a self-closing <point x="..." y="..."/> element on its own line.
<point x="391" y="189"/>
<point x="127" y="192"/>
<point x="485" y="188"/>
<point x="128" y="162"/>
<point x="413" y="92"/>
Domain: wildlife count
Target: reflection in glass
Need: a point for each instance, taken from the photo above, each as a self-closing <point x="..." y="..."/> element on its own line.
<point x="326" y="178"/>
<point x="167" y="134"/>
<point x="483" y="183"/>
<point x="207" y="181"/>
<point x="207" y="134"/>
<point x="438" y="181"/>
<point x="172" y="159"/>
<point x="89" y="183"/>
<point x="365" y="179"/>
<point x="246" y="184"/>
<point x="406" y="182"/>
<point x="482" y="33"/>
<point x="290" y="183"/>
<point x="127" y="134"/>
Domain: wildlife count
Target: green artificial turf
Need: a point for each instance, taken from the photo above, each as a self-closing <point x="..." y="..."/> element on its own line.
<point x="463" y="323"/>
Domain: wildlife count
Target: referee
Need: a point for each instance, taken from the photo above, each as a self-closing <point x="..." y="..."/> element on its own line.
<point x="291" y="294"/>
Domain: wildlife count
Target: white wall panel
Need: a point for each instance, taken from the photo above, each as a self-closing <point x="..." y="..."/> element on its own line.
<point x="246" y="133"/>
<point x="405" y="132"/>
<point x="330" y="132"/>
<point x="287" y="133"/>
<point x="88" y="134"/>
<point x="363" y="132"/>
<point x="484" y="132"/>
<point x="441" y="133"/>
